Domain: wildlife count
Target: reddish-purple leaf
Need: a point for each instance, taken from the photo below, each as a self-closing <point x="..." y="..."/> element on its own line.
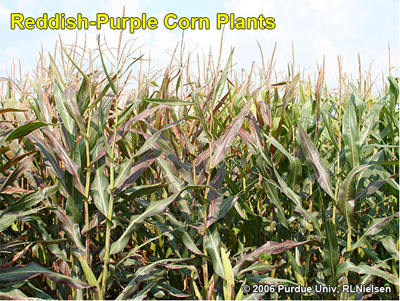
<point x="69" y="164"/>
<point x="215" y="196"/>
<point x="270" y="247"/>
<point x="138" y="168"/>
<point x="225" y="142"/>
<point x="22" y="167"/>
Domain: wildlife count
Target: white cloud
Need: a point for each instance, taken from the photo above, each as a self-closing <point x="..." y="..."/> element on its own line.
<point x="4" y="12"/>
<point x="316" y="28"/>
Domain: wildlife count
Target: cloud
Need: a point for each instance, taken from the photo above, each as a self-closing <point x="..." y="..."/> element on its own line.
<point x="4" y="12"/>
<point x="316" y="28"/>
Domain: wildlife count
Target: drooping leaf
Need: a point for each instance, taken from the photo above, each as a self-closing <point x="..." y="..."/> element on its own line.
<point x="138" y="191"/>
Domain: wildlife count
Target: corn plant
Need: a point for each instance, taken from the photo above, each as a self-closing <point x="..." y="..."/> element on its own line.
<point x="195" y="188"/>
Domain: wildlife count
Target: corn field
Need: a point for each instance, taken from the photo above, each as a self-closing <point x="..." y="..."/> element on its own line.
<point x="120" y="183"/>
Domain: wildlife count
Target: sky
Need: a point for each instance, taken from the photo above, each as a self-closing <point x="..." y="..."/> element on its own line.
<point x="314" y="28"/>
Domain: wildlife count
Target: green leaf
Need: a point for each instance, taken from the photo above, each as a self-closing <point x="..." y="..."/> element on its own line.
<point x="390" y="246"/>
<point x="46" y="236"/>
<point x="7" y="110"/>
<point x="199" y="113"/>
<point x="11" y="293"/>
<point x="351" y="136"/>
<point x="143" y="293"/>
<point x="111" y="82"/>
<point x="215" y="196"/>
<point x="330" y="129"/>
<point x="99" y="119"/>
<point x="67" y="120"/>
<point x="170" y="102"/>
<point x="172" y="291"/>
<point x="305" y="115"/>
<point x="295" y="164"/>
<point x="6" y="219"/>
<point x="347" y="194"/>
<point x="14" y="161"/>
<point x="33" y="198"/>
<point x="176" y="185"/>
<point x="213" y="246"/>
<point x="272" y="194"/>
<point x="330" y="249"/>
<point x="229" y="283"/>
<point x="150" y="142"/>
<point x="136" y="221"/>
<point x="32" y="270"/>
<point x="90" y="277"/>
<point x="227" y="205"/>
<point x="377" y="226"/>
<point x="221" y="83"/>
<point x="138" y="191"/>
<point x="260" y="268"/>
<point x="25" y="129"/>
<point x="297" y="200"/>
<point x="101" y="197"/>
<point x="142" y="274"/>
<point x="348" y="266"/>
<point x="188" y="241"/>
<point x="394" y="93"/>
<point x="70" y="103"/>
<point x="298" y="273"/>
<point x="371" y="120"/>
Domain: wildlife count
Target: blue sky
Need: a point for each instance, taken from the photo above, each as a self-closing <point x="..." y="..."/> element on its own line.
<point x="315" y="27"/>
